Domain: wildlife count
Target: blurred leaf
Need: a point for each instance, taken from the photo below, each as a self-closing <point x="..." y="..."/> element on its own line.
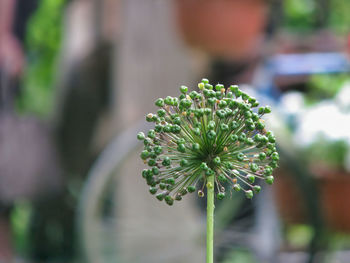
<point x="43" y="41"/>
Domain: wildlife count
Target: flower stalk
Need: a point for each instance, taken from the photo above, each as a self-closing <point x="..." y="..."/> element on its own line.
<point x="210" y="219"/>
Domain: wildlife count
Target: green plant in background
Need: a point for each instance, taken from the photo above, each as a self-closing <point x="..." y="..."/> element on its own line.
<point x="303" y="15"/>
<point x="322" y="87"/>
<point x="43" y="43"/>
<point x="330" y="153"/>
<point x="339" y="19"/>
<point x="210" y="138"/>
<point x="299" y="14"/>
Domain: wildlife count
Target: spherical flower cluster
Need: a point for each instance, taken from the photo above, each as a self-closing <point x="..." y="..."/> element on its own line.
<point x="213" y="132"/>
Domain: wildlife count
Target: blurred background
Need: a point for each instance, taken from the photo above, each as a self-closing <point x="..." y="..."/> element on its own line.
<point x="77" y="78"/>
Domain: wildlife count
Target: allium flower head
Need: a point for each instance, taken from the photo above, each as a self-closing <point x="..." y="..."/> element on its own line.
<point x="213" y="132"/>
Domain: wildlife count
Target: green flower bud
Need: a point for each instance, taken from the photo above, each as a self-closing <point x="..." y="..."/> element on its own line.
<point x="251" y="178"/>
<point x="259" y="125"/>
<point x="147" y="141"/>
<point x="170" y="181"/>
<point x="176" y="128"/>
<point x="267" y="171"/>
<point x="211" y="135"/>
<point x="223" y="127"/>
<point x="249" y="141"/>
<point x="152" y="162"/>
<point x="242" y="137"/>
<point x="169" y="202"/>
<point x="269" y="179"/>
<point x="168" y="100"/>
<point x="222" y="178"/>
<point x="235" y="89"/>
<point x="211" y="125"/>
<point x="160" y="196"/>
<point x="151" y="134"/>
<point x="183" y="192"/>
<point x="161" y="113"/>
<point x="197" y="131"/>
<point x="153" y="190"/>
<point x="217" y="160"/>
<point x="271" y="138"/>
<point x="257" y="188"/>
<point x="207" y="111"/>
<point x="234" y="125"/>
<point x="240" y="157"/>
<point x="221" y="114"/>
<point x="204" y="166"/>
<point x="183" y="162"/>
<point x="141" y="136"/>
<point x="159" y="102"/>
<point x="237" y="187"/>
<point x="222" y="104"/>
<point x="218" y="87"/>
<point x="262" y="156"/>
<point x="267" y="109"/>
<point x="183" y="89"/>
<point x="181" y="148"/>
<point x="180" y="141"/>
<point x="158" y="128"/>
<point x="220" y="196"/>
<point x="144" y="173"/>
<point x="209" y="172"/>
<point x="144" y="155"/>
<point x="205" y="81"/>
<point x="191" y="189"/>
<point x="155" y="170"/>
<point x="211" y="101"/>
<point x="166" y="161"/>
<point x="178" y="197"/>
<point x="195" y="146"/>
<point x="249" y="194"/>
<point x="219" y="95"/>
<point x="245" y="96"/>
<point x="274" y="164"/>
<point x="208" y="86"/>
<point x="254" y="167"/>
<point x="275" y="156"/>
<point x="149" y="117"/>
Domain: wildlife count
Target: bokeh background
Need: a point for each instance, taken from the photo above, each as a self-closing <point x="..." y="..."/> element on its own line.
<point x="76" y="80"/>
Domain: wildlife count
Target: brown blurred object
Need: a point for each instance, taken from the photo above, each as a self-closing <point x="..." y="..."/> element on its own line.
<point x="222" y="28"/>
<point x="334" y="190"/>
<point x="11" y="54"/>
<point x="28" y="163"/>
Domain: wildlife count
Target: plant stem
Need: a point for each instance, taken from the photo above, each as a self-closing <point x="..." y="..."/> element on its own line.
<point x="210" y="219"/>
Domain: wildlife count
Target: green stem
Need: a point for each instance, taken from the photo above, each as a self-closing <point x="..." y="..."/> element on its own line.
<point x="210" y="219"/>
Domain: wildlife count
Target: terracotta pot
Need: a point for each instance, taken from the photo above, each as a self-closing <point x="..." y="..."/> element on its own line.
<point x="222" y="27"/>
<point x="334" y="189"/>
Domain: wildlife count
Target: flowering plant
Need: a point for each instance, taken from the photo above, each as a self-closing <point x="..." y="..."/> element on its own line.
<point x="211" y="138"/>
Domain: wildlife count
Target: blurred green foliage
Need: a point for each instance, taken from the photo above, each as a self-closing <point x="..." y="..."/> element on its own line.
<point x="20" y="218"/>
<point x="339" y="18"/>
<point x="299" y="14"/>
<point x="330" y="153"/>
<point x="299" y="235"/>
<point x="43" y="41"/>
<point x="305" y="15"/>
<point x="322" y="87"/>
